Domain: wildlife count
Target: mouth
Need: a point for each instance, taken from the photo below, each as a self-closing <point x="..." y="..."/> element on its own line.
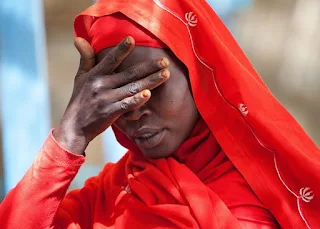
<point x="148" y="138"/>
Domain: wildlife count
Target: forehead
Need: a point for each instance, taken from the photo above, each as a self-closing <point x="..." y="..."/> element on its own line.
<point x="138" y="55"/>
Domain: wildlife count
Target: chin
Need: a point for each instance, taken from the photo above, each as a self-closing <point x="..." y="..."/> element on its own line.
<point x="157" y="152"/>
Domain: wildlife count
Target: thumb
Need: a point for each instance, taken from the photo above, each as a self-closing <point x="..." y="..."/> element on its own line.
<point x="87" y="60"/>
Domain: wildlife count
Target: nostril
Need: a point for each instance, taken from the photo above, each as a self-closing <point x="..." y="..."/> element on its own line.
<point x="133" y="115"/>
<point x="136" y="114"/>
<point x="126" y="114"/>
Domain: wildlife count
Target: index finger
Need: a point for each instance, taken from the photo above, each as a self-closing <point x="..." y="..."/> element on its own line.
<point x="114" y="57"/>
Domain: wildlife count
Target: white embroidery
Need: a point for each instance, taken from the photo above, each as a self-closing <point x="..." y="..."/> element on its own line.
<point x="306" y="194"/>
<point x="301" y="214"/>
<point x="243" y="109"/>
<point x="126" y="188"/>
<point x="191" y="19"/>
<point x="280" y="177"/>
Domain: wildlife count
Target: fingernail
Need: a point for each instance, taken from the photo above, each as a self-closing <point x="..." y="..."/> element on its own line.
<point x="164" y="62"/>
<point x="165" y="73"/>
<point x="146" y="93"/>
<point x="128" y="41"/>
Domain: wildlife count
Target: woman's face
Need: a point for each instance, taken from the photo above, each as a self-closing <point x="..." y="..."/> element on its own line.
<point x="160" y="126"/>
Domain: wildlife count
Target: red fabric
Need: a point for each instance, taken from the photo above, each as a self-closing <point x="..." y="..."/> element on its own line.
<point x="108" y="31"/>
<point x="201" y="154"/>
<point x="107" y="201"/>
<point x="269" y="148"/>
<point x="34" y="202"/>
<point x="188" y="190"/>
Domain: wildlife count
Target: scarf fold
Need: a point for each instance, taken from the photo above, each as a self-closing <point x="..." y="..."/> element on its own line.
<point x="176" y="188"/>
<point x="108" y="31"/>
<point x="262" y="140"/>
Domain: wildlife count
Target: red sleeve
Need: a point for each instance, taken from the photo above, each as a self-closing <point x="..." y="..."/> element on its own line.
<point x="34" y="202"/>
<point x="78" y="207"/>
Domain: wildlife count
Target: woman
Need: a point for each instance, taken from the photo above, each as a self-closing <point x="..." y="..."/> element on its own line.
<point x="209" y="146"/>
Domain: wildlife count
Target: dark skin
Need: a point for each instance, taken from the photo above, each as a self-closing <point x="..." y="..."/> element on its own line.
<point x="136" y="89"/>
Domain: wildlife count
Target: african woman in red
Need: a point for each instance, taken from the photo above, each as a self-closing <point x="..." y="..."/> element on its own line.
<point x="209" y="146"/>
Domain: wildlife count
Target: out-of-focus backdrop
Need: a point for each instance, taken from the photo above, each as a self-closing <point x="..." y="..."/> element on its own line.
<point x="38" y="63"/>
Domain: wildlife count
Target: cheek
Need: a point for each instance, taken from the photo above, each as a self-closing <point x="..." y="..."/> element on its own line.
<point x="174" y="102"/>
<point x="171" y="107"/>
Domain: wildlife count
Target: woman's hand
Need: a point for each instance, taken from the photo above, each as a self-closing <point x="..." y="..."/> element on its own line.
<point x="100" y="97"/>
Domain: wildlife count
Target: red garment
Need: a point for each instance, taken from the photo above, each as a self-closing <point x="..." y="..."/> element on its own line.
<point x="271" y="151"/>
<point x="108" y="201"/>
<point x="268" y="147"/>
<point x="108" y="31"/>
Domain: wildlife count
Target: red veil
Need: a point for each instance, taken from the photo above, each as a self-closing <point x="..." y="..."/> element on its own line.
<point x="269" y="148"/>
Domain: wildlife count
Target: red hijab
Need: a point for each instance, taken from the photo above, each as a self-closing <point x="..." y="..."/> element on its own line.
<point x="261" y="139"/>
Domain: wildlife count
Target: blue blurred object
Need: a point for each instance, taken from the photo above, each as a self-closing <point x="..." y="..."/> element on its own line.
<point x="23" y="85"/>
<point x="113" y="151"/>
<point x="225" y="7"/>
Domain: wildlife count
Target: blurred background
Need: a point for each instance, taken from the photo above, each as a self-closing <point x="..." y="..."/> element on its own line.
<point x="38" y="63"/>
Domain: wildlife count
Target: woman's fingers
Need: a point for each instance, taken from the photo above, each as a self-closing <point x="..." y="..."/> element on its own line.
<point x="137" y="72"/>
<point x="114" y="58"/>
<point x="131" y="80"/>
<point x="131" y="103"/>
<point x="87" y="56"/>
<point x="150" y="82"/>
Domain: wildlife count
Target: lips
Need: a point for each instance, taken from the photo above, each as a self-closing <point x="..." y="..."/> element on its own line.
<point x="147" y="138"/>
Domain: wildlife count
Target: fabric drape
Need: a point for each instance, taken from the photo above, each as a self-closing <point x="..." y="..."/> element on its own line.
<point x="246" y="161"/>
<point x="267" y="146"/>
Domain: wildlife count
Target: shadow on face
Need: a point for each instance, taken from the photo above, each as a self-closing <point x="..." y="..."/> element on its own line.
<point x="161" y="125"/>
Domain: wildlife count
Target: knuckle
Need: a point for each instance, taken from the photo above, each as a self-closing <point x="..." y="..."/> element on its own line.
<point x="124" y="105"/>
<point x="111" y="57"/>
<point x="131" y="73"/>
<point x="103" y="108"/>
<point x="135" y="100"/>
<point x="133" y="88"/>
<point x="92" y="76"/>
<point x="100" y="105"/>
<point x="99" y="68"/>
<point x="96" y="87"/>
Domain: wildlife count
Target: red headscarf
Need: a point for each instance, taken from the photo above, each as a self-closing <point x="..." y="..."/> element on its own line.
<point x="108" y="31"/>
<point x="269" y="148"/>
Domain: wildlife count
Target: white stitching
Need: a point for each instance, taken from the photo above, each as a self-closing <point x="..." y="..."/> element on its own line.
<point x="301" y="214"/>
<point x="279" y="175"/>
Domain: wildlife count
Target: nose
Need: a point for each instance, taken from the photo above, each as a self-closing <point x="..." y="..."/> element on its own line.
<point x="137" y="114"/>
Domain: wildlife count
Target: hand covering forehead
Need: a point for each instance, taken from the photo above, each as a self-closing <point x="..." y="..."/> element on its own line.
<point x="109" y="30"/>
